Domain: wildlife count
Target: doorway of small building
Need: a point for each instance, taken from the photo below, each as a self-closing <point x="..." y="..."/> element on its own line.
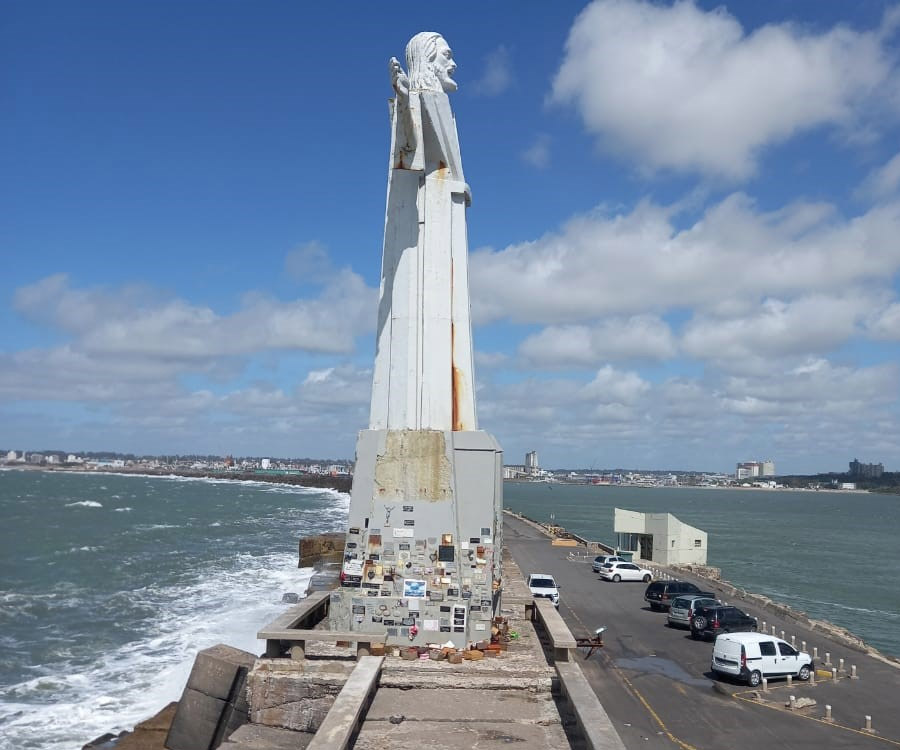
<point x="645" y="545"/>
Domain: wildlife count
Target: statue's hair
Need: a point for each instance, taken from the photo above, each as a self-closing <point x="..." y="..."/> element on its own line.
<point x="420" y="54"/>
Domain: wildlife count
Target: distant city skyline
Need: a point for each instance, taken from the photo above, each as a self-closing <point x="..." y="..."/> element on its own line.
<point x="684" y="226"/>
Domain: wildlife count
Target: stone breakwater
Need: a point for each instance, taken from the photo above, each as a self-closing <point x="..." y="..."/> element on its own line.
<point x="736" y="593"/>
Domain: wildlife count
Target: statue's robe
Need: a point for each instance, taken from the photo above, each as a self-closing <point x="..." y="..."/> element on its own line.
<point x="423" y="378"/>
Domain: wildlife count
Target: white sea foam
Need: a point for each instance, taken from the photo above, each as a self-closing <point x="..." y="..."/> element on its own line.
<point x="122" y="510"/>
<point x="85" y="504"/>
<point x="74" y="704"/>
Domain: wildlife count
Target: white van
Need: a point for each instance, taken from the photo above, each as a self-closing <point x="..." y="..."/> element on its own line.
<point x="752" y="656"/>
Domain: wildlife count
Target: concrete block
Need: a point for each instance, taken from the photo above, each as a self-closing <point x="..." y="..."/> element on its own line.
<point x="216" y="669"/>
<point x="196" y="722"/>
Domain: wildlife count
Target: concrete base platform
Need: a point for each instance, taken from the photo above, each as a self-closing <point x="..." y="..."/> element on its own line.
<point x="453" y="735"/>
<point x="261" y="737"/>
<point x="513" y="706"/>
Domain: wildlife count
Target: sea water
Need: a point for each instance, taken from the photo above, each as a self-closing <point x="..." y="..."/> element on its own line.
<point x="833" y="555"/>
<point x="110" y="584"/>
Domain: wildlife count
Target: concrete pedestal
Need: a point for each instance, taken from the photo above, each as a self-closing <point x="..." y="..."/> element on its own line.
<point x="422" y="556"/>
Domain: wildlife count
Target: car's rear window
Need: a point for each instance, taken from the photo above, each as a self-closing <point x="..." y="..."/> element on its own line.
<point x="681" y="603"/>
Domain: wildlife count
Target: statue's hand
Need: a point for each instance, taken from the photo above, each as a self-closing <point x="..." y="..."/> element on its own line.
<point x="398" y="78"/>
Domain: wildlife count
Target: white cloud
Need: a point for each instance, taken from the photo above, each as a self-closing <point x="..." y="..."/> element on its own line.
<point x="309" y="262"/>
<point x="497" y="76"/>
<point x="635" y="338"/>
<point x="538" y="153"/>
<point x="129" y="321"/>
<point x="882" y="182"/>
<point x="676" y="87"/>
<point x="885" y="323"/>
<point x="725" y="263"/>
<point x="807" y="325"/>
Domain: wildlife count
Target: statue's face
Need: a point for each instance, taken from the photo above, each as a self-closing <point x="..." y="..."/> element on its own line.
<point x="444" y="65"/>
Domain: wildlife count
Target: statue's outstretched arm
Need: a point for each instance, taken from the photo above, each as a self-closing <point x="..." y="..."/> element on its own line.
<point x="398" y="78"/>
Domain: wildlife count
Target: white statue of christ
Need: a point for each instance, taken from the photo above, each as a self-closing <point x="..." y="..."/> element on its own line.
<point x="423" y="378"/>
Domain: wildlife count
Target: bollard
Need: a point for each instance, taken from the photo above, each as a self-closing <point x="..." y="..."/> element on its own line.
<point x="827" y="658"/>
<point x="834" y="674"/>
<point x="853" y="675"/>
<point x="792" y="702"/>
<point x="793" y="642"/>
<point x="803" y="645"/>
<point x="828" y="712"/>
<point x="790" y="681"/>
<point x="782" y="635"/>
<point x="773" y="630"/>
<point x="868" y="723"/>
<point x="764" y="626"/>
<point x="765" y="685"/>
<point x="840" y="665"/>
<point x="812" y="676"/>
<point x="815" y="652"/>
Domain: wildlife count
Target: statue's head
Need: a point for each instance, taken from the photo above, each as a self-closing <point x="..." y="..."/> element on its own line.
<point x="430" y="63"/>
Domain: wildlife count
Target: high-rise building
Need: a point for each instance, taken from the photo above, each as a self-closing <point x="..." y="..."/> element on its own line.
<point x="531" y="462"/>
<point x="865" y="471"/>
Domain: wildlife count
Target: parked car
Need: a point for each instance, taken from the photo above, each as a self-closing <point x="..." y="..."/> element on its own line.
<point x="624" y="571"/>
<point x="682" y="609"/>
<point x="602" y="560"/>
<point x="659" y="594"/>
<point x="543" y="585"/>
<point x="708" y="622"/>
<point x="752" y="656"/>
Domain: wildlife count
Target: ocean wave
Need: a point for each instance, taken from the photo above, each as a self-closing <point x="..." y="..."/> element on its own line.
<point x="122" y="510"/>
<point x="67" y="703"/>
<point x="85" y="504"/>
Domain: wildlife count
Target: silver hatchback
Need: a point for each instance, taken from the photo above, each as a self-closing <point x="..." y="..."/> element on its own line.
<point x="683" y="607"/>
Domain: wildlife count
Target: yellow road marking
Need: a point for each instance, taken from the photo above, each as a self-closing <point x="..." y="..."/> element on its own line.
<point x="637" y="694"/>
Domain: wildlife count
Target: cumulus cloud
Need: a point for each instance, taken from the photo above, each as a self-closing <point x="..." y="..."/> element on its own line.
<point x="497" y="76"/>
<point x="640" y="337"/>
<point x="883" y="182"/>
<point x="538" y="153"/>
<point x="130" y="321"/>
<point x="777" y="329"/>
<point x="676" y="87"/>
<point x="731" y="258"/>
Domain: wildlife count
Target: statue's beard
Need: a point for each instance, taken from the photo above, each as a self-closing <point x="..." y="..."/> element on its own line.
<point x="447" y="83"/>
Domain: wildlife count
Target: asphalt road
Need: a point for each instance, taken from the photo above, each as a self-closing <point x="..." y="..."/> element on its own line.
<point x="655" y="682"/>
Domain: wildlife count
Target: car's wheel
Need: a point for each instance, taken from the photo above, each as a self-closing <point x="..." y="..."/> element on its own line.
<point x="647" y="578"/>
<point x="617" y="578"/>
<point x="699" y="622"/>
<point x="754" y="679"/>
<point x="803" y="674"/>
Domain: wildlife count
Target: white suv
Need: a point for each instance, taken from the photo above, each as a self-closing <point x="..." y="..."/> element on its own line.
<point x="543" y="585"/>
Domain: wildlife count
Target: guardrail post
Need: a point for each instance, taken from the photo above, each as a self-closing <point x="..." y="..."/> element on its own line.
<point x="828" y="713"/>
<point x="853" y="675"/>
<point x="868" y="727"/>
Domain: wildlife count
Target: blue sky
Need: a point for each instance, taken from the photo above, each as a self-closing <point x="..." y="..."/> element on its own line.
<point x="684" y="237"/>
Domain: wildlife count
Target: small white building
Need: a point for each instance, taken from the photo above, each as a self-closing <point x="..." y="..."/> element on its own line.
<point x="265" y="463"/>
<point x="659" y="537"/>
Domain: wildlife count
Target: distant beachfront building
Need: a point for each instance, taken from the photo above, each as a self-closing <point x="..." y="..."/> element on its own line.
<point x="865" y="471"/>
<point x="265" y="463"/>
<point x="749" y="469"/>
